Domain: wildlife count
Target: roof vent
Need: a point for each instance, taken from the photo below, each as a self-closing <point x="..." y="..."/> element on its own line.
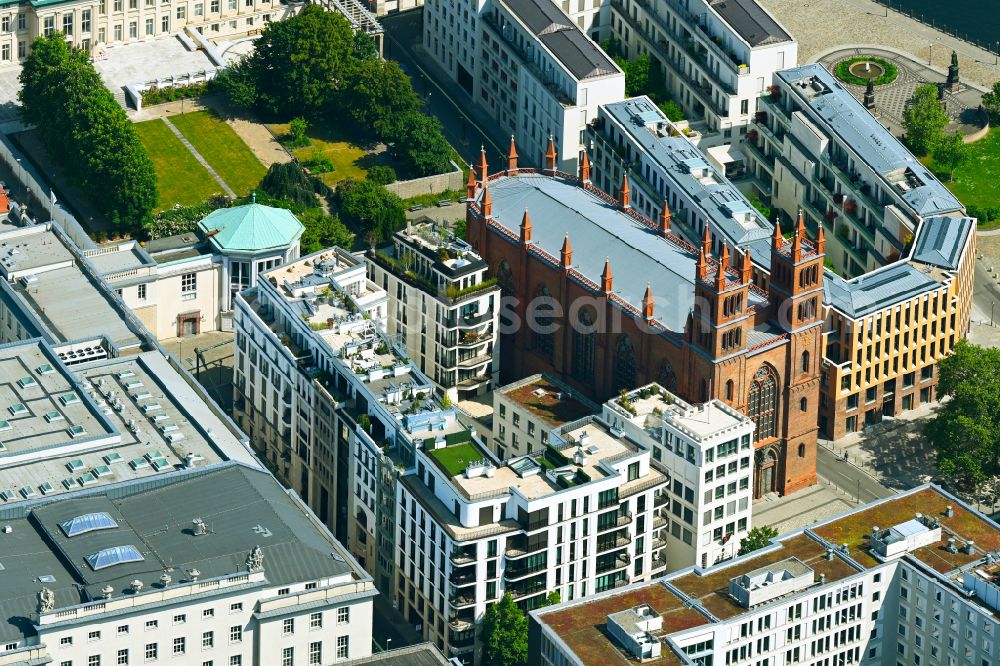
<point x="165" y="579"/>
<point x="107" y="591"/>
<point x="136" y="586"/>
<point x="199" y="529"/>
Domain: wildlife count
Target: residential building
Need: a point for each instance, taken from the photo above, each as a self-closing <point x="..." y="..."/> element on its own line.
<point x="888" y="329"/>
<point x="95" y="25"/>
<point x="529" y="66"/>
<point x="706" y="454"/>
<point x="526" y="411"/>
<point x="443" y="310"/>
<point x="215" y="564"/>
<point x="714" y="56"/>
<point x="911" y="579"/>
<point x="575" y="518"/>
<point x="630" y="302"/>
<point x="815" y="148"/>
<point x="333" y="407"/>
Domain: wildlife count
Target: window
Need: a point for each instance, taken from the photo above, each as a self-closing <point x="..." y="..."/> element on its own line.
<point x="180" y="644"/>
<point x="85" y="20"/>
<point x="208" y="640"/>
<point x="316" y="621"/>
<point x="189" y="281"/>
<point x="123" y="657"/>
<point x="152" y="651"/>
<point x="208" y="612"/>
<point x="94" y="660"/>
<point x="94" y="636"/>
<point x="149" y="32"/>
<point x="152" y="624"/>
<point x="180" y="619"/>
<point x="235" y="634"/>
<point x="543" y="326"/>
<point x="5" y="24"/>
<point x="624" y="364"/>
<point x="805" y="361"/>
<point x="315" y="653"/>
<point x="232" y="5"/>
<point x="122" y="629"/>
<point x="763" y="403"/>
<point x="287" y="656"/>
<point x="583" y="346"/>
<point x="165" y="23"/>
<point x="236" y="660"/>
<point x="22" y="22"/>
<point x="181" y="12"/>
<point x="288" y="626"/>
<point x="236" y="608"/>
<point x="802" y="450"/>
<point x="66" y="640"/>
<point x="199" y="9"/>
<point x="214" y="7"/>
<point x="118" y="32"/>
<point x="343" y="615"/>
<point x="342" y="647"/>
<point x="49" y="25"/>
<point x="118" y="5"/>
<point x="803" y="404"/>
<point x="133" y="30"/>
<point x="67" y="24"/>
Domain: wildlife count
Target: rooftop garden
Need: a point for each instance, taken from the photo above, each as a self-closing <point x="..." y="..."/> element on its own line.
<point x="456" y="455"/>
<point x="555" y="411"/>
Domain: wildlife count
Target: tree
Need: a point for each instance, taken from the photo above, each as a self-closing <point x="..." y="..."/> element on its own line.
<point x="289" y="181"/>
<point x="364" y="47"/>
<point x="238" y="83"/>
<point x="553" y="598"/>
<point x="924" y="119"/>
<point x="323" y="231"/>
<point x="383" y="175"/>
<point x="505" y="634"/>
<point x="950" y="153"/>
<point x="419" y="143"/>
<point x="378" y="93"/>
<point x="991" y="102"/>
<point x="637" y="81"/>
<point x="370" y="208"/>
<point x="757" y="538"/>
<point x="297" y="127"/>
<point x="965" y="431"/>
<point x="300" y="62"/>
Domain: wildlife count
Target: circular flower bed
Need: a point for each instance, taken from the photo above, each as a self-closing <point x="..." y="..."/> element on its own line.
<point x="843" y="71"/>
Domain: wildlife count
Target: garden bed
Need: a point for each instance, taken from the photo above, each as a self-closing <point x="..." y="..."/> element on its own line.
<point x="843" y="71"/>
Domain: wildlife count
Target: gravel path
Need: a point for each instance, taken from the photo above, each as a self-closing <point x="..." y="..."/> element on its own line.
<point x="823" y="25"/>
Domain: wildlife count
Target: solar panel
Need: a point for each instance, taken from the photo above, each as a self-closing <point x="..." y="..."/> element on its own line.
<point x="88" y="522"/>
<point x="109" y="557"/>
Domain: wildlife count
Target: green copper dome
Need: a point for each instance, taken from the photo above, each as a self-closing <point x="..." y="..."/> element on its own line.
<point x="251" y="228"/>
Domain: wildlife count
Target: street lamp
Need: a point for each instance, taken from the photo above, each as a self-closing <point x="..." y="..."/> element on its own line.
<point x="387" y="641"/>
<point x="992" y="304"/>
<point x="20" y="179"/>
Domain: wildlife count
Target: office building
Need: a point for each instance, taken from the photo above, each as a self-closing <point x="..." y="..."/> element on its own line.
<point x="911" y="579"/>
<point x="714" y="56"/>
<point x="443" y="308"/>
<point x="576" y="518"/>
<point x="525" y="412"/>
<point x="529" y="66"/>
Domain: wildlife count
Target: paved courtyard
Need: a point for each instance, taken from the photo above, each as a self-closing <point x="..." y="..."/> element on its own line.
<point x="146" y="61"/>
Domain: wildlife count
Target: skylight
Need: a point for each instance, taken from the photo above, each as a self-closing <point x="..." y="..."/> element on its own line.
<point x="88" y="522"/>
<point x="109" y="557"/>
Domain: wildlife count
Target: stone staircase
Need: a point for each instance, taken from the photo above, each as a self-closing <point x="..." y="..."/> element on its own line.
<point x="119" y="94"/>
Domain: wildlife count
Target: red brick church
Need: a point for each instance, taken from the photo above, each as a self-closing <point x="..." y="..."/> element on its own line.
<point x="619" y="300"/>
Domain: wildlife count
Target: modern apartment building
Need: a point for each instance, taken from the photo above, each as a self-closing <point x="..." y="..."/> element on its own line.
<point x="218" y="565"/>
<point x="443" y="309"/>
<point x="94" y="25"/>
<point x="577" y="518"/>
<point x="525" y="412"/>
<point x="815" y="148"/>
<point x="715" y="56"/>
<point x="527" y="64"/>
<point x="912" y="579"/>
<point x="706" y="453"/>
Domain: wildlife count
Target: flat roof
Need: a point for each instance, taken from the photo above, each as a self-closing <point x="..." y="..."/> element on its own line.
<point x="689" y="171"/>
<point x="599" y="230"/>
<point x="422" y="654"/>
<point x="553" y="28"/>
<point x="873" y="143"/>
<point x="750" y="21"/>
<point x="241" y="507"/>
<point x="103" y="422"/>
<point x="127" y="256"/>
<point x="583" y="626"/>
<point x="549" y="399"/>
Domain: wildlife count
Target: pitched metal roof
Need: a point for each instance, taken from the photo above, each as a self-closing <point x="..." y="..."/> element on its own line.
<point x="577" y="52"/>
<point x="251" y="228"/>
<point x="874" y="291"/>
<point x="940" y="241"/>
<point x="750" y="21"/>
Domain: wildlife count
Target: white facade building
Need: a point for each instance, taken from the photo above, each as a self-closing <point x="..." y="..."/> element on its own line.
<point x="527" y="64"/>
<point x="442" y="307"/>
<point x="706" y="453"/>
<point x="715" y="56"/>
<point x="831" y="594"/>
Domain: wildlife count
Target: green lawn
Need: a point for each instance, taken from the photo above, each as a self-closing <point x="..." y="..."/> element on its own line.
<point x="223" y="149"/>
<point x="181" y="179"/>
<point x="348" y="158"/>
<point x="975" y="182"/>
<point x="454" y="459"/>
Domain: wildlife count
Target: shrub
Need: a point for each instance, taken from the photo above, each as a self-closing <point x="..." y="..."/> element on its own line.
<point x="318" y="164"/>
<point x="297" y="128"/>
<point x="383" y="175"/>
<point x="290" y="181"/>
<point x="843" y="71"/>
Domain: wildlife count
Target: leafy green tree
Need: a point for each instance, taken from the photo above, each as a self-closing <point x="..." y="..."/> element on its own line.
<point x="370" y="208"/>
<point x="300" y="62"/>
<point x="364" y="47"/>
<point x="505" y="634"/>
<point x="297" y="127"/>
<point x="924" y="119"/>
<point x="991" y="102"/>
<point x="383" y="175"/>
<point x="671" y="110"/>
<point x="420" y="144"/>
<point x="323" y="231"/>
<point x="757" y="538"/>
<point x="637" y="81"/>
<point x="289" y="181"/>
<point x="552" y="598"/>
<point x="764" y="210"/>
<point x="238" y="83"/>
<point x="965" y="431"/>
<point x="378" y="93"/>
<point x="950" y="153"/>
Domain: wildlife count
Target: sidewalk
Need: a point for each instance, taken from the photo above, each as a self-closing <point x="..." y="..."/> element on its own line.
<point x="801" y="508"/>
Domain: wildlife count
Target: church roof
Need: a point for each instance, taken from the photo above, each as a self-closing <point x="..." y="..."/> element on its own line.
<point x="251" y="228"/>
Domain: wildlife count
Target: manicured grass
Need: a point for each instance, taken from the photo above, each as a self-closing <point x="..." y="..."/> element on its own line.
<point x="349" y="159"/>
<point x="223" y="149"/>
<point x="975" y="182"/>
<point x="454" y="459"/>
<point x="181" y="179"/>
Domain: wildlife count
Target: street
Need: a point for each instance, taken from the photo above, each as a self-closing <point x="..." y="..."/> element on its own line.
<point x="851" y="479"/>
<point x="461" y="119"/>
<point x="389" y="630"/>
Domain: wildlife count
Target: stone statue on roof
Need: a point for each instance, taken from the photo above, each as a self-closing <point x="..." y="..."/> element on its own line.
<point x="46" y="600"/>
<point x="255" y="560"/>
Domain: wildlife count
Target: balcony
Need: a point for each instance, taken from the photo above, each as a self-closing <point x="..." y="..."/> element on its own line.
<point x="658" y="542"/>
<point x="463" y="555"/>
<point x="462" y="599"/>
<point x="624" y="518"/>
<point x="531" y="587"/>
<point x="466" y="639"/>
<point x="758" y="152"/>
<point x="516" y="572"/>
<point x="774" y="106"/>
<point x="516" y="549"/>
<point x="658" y="562"/>
<point x="659" y="521"/>
<point x="661" y="500"/>
<point x="469" y="320"/>
<point x="619" y="562"/>
<point x="612" y="544"/>
<point x="460" y="622"/>
<point x="463" y="577"/>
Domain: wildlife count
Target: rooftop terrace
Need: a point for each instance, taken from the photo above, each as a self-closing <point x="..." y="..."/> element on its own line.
<point x="548" y="399"/>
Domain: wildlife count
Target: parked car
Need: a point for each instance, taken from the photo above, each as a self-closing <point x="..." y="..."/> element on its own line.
<point x="443" y="203"/>
<point x="415" y="208"/>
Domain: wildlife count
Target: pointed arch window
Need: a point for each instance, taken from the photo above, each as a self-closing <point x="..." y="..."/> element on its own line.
<point x="762" y="406"/>
<point x="583" y="346"/>
<point x="505" y="278"/>
<point x="666" y="378"/>
<point x="625" y="364"/>
<point x="542" y="324"/>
